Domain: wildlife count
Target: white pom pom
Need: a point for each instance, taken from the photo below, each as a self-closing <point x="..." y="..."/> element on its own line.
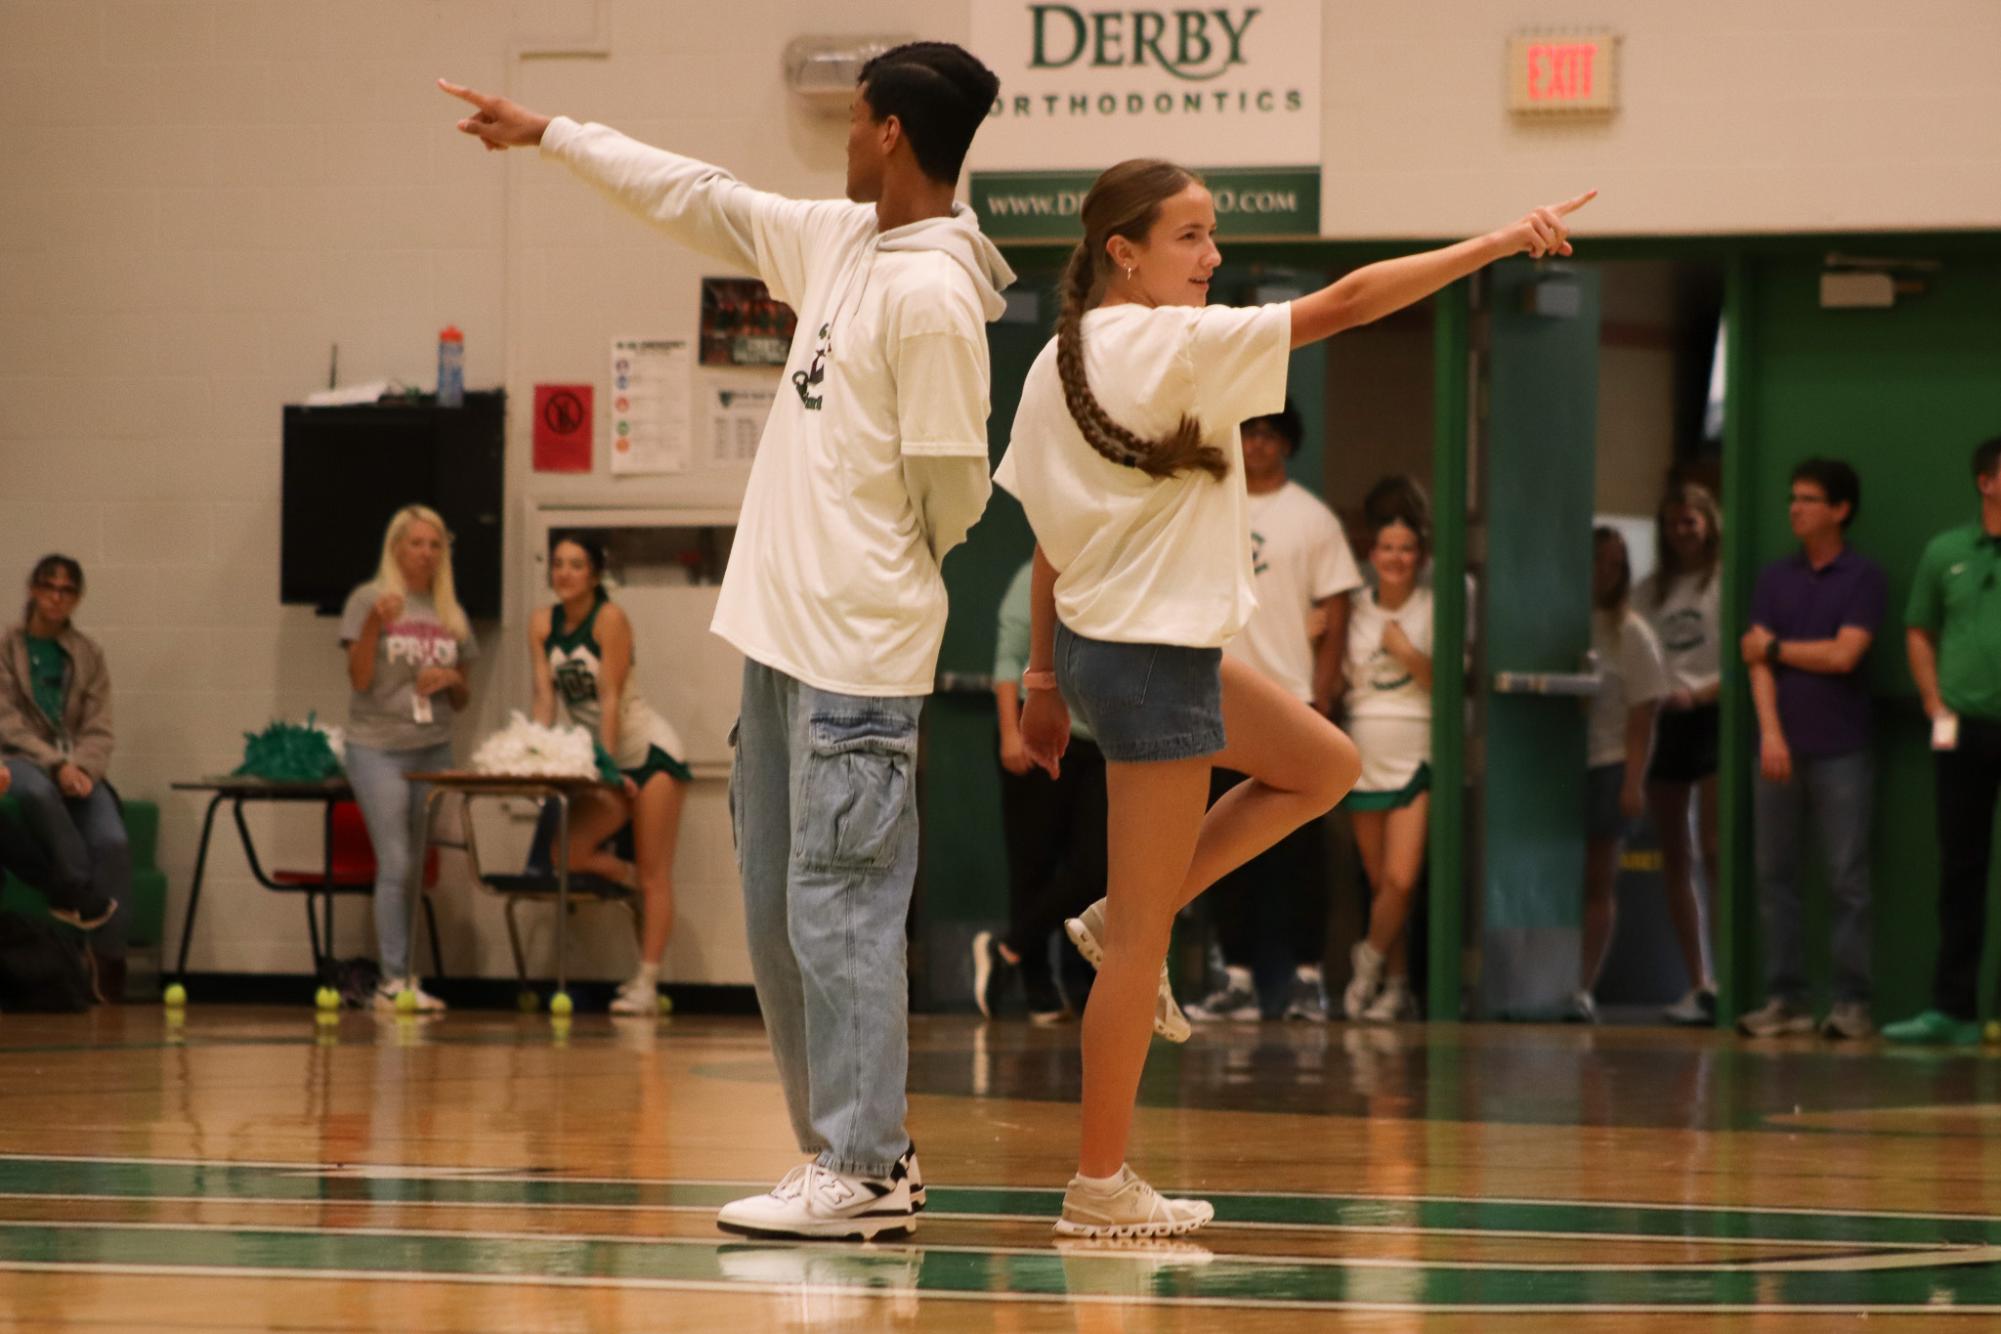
<point x="530" y="750"/>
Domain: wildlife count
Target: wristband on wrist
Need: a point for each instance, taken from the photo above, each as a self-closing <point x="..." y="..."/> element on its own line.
<point x="1039" y="680"/>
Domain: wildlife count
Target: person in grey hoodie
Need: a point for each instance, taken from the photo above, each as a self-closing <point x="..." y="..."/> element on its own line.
<point x="55" y="739"/>
<point x="873" y="464"/>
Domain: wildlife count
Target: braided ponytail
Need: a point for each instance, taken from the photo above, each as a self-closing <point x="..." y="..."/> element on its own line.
<point x="1124" y="201"/>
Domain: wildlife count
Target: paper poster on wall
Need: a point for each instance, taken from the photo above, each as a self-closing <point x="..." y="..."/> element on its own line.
<point x="736" y="421"/>
<point x="743" y="324"/>
<point x="649" y="405"/>
<point x="563" y="427"/>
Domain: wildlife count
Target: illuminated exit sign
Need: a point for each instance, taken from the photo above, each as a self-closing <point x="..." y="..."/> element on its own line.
<point x="1563" y="72"/>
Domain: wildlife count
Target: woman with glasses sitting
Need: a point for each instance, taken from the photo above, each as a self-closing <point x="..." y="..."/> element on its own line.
<point x="55" y="738"/>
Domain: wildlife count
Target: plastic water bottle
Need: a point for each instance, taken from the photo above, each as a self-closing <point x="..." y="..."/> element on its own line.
<point x="451" y="367"/>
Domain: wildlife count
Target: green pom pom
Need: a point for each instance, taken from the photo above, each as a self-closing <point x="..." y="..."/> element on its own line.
<point x="289" y="753"/>
<point x="608" y="769"/>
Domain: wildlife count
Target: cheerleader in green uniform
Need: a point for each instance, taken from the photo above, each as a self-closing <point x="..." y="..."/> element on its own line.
<point x="581" y="648"/>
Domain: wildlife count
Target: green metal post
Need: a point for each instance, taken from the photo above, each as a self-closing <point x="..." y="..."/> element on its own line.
<point x="1451" y="320"/>
<point x="1735" y="897"/>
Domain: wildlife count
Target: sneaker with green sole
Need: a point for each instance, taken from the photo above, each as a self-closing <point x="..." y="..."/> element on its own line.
<point x="1935" y="1028"/>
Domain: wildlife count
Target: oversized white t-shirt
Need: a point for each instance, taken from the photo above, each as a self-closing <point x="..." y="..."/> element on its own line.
<point x="1148" y="560"/>
<point x="1629" y="660"/>
<point x="1299" y="558"/>
<point x="1379" y="686"/>
<point x="873" y="461"/>
<point x="1688" y="627"/>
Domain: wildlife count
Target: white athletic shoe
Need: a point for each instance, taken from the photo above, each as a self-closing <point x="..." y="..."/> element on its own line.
<point x="1368" y="978"/>
<point x="1131" y="1208"/>
<point x="1392" y="1004"/>
<point x="387" y="992"/>
<point x="1086" y="929"/>
<point x="636" y="997"/>
<point x="815" y="1201"/>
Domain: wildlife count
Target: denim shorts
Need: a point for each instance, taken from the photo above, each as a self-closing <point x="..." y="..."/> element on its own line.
<point x="1143" y="701"/>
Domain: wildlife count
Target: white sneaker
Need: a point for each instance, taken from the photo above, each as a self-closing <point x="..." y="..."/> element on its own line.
<point x="1583" y="1008"/>
<point x="387" y="992"/>
<point x="1696" y="1008"/>
<point x="1362" y="987"/>
<point x="1392" y="1004"/>
<point x="815" y="1201"/>
<point x="1131" y="1208"/>
<point x="1085" y="930"/>
<point x="636" y="997"/>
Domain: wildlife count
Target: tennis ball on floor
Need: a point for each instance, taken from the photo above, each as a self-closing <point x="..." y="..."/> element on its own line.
<point x="666" y="1004"/>
<point x="528" y="1002"/>
<point x="406" y="1002"/>
<point x="175" y="995"/>
<point x="326" y="998"/>
<point x="560" y="1004"/>
<point x="1993" y="1030"/>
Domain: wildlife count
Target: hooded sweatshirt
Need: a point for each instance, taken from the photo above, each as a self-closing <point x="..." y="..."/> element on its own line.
<point x="873" y="462"/>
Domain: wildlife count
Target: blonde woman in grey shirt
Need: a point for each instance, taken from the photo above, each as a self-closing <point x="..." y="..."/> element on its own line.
<point x="408" y="644"/>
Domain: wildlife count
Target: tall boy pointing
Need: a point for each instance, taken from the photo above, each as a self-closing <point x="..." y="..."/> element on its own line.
<point x="872" y="466"/>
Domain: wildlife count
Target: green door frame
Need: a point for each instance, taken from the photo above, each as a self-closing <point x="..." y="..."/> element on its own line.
<point x="1452" y="316"/>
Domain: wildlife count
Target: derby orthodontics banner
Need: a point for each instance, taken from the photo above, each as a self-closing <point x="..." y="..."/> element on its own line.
<point x="1232" y="91"/>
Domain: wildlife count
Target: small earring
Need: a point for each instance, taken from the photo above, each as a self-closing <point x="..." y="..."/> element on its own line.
<point x="1129" y="273"/>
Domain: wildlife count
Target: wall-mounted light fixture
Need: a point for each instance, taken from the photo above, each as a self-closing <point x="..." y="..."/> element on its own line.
<point x="823" y="71"/>
<point x="1849" y="282"/>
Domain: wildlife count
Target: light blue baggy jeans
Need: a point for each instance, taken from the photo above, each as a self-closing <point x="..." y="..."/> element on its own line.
<point x="393" y="809"/>
<point x="823" y="796"/>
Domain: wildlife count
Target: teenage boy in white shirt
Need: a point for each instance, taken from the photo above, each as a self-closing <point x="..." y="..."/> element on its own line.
<point x="1271" y="912"/>
<point x="870" y="469"/>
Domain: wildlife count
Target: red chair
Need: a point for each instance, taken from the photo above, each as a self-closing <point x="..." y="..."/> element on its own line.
<point x="349" y="869"/>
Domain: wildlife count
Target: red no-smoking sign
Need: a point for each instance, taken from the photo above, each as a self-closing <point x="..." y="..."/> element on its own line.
<point x="562" y="428"/>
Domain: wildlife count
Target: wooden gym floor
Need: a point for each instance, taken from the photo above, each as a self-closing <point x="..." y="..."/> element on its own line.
<point x="249" y="1169"/>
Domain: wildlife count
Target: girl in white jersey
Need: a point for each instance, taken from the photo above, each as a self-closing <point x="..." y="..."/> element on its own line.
<point x="1682" y="602"/>
<point x="581" y="650"/>
<point x="1126" y="456"/>
<point x="1389" y="714"/>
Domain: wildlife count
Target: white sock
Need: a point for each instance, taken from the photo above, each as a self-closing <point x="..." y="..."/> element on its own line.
<point x="1308" y="972"/>
<point x="1105" y="1184"/>
<point x="1240" y="978"/>
<point x="648" y="976"/>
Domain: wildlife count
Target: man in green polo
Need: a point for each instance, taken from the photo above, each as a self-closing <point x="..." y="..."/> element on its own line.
<point x="1954" y="637"/>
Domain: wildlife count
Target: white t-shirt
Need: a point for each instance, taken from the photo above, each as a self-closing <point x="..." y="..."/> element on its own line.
<point x="1378" y="685"/>
<point x="873" y="462"/>
<point x="1688" y="627"/>
<point x="1629" y="659"/>
<point x="1299" y="558"/>
<point x="1147" y="560"/>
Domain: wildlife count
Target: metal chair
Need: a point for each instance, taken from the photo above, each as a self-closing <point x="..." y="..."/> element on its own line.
<point x="537" y="881"/>
<point x="349" y="868"/>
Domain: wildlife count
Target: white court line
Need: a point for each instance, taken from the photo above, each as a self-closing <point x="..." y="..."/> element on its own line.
<point x="1946" y="1257"/>
<point x="1363" y="1229"/>
<point x="751" y="1289"/>
<point x="555" y="1176"/>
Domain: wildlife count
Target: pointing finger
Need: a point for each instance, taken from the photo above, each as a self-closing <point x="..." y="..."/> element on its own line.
<point x="465" y="94"/>
<point x="1572" y="205"/>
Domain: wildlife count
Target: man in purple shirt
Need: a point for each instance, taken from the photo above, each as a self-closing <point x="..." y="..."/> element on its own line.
<point x="1812" y="619"/>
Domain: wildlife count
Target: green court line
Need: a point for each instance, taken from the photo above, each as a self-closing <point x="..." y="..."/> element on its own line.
<point x="138" y="1179"/>
<point x="971" y="1274"/>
